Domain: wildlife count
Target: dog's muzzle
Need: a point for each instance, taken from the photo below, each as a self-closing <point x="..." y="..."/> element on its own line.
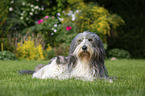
<point x="84" y="52"/>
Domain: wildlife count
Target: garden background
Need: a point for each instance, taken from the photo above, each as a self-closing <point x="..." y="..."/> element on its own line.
<point x="41" y="29"/>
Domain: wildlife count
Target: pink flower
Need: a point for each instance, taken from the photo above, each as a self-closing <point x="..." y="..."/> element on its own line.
<point x="52" y="16"/>
<point x="40" y="21"/>
<point x="46" y="17"/>
<point x="68" y="28"/>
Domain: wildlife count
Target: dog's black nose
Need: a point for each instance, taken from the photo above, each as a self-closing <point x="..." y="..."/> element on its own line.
<point x="84" y="47"/>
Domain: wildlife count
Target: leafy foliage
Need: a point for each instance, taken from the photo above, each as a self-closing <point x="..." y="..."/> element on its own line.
<point x="48" y="28"/>
<point x="29" y="12"/>
<point x="64" y="35"/>
<point x="7" y="55"/>
<point x="54" y="32"/>
<point x="14" y="17"/>
<point x="49" y="52"/>
<point x="6" y="44"/>
<point x="94" y="18"/>
<point x="118" y="53"/>
<point x="3" y="17"/>
<point x="52" y="7"/>
<point x="29" y="51"/>
<point x="63" y="20"/>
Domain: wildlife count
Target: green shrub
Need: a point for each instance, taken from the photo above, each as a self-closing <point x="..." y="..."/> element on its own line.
<point x="6" y="44"/>
<point x="105" y="46"/>
<point x="49" y="54"/>
<point x="62" y="50"/>
<point x="46" y="27"/>
<point x="66" y="33"/>
<point x="118" y="53"/>
<point x="7" y="55"/>
<point x="53" y="32"/>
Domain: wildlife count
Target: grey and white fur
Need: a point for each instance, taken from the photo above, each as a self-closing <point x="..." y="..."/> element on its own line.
<point x="89" y="53"/>
<point x="57" y="69"/>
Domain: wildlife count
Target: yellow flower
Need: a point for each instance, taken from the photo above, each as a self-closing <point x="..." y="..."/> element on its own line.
<point x="29" y="50"/>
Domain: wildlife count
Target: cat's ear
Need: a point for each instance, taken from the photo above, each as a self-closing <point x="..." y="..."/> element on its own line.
<point x="58" y="60"/>
<point x="73" y="59"/>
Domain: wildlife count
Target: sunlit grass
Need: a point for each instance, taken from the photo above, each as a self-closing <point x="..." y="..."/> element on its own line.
<point x="130" y="74"/>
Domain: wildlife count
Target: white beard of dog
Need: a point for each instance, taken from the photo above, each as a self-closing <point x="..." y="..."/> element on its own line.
<point x="53" y="71"/>
<point x="82" y="70"/>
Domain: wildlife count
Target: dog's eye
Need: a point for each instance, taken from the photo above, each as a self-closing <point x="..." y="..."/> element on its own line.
<point x="79" y="40"/>
<point x="89" y="39"/>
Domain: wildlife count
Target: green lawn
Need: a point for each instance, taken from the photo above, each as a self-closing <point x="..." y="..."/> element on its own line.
<point x="130" y="73"/>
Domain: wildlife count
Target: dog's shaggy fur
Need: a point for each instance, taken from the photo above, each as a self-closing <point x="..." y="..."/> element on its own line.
<point x="85" y="60"/>
<point x="89" y="51"/>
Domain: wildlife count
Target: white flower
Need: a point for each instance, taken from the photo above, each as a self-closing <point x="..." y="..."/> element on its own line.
<point x="27" y="18"/>
<point x="36" y="7"/>
<point x="77" y="11"/>
<point x="10" y="9"/>
<point x="28" y="3"/>
<point x="42" y="8"/>
<point x="36" y="21"/>
<point x="31" y="13"/>
<point x="64" y="12"/>
<point x="22" y="14"/>
<point x="73" y="17"/>
<point x="61" y="19"/>
<point x="52" y="33"/>
<point x="32" y="5"/>
<point x="21" y="17"/>
<point x="70" y="13"/>
<point x="58" y="14"/>
<point x="55" y="25"/>
<point x="23" y="3"/>
<point x="55" y="30"/>
<point x="12" y="1"/>
<point x="32" y="9"/>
